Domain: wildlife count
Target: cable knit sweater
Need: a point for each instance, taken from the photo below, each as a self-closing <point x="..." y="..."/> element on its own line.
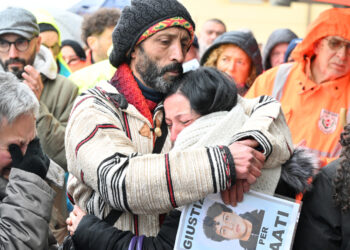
<point x="112" y="164"/>
<point x="220" y="128"/>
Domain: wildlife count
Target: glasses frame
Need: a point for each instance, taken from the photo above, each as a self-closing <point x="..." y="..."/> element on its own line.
<point x="15" y="44"/>
<point x="342" y="44"/>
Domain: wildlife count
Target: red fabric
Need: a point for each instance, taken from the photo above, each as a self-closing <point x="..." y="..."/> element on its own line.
<point x="124" y="81"/>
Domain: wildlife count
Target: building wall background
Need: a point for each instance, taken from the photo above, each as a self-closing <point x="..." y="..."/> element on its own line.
<point x="260" y="17"/>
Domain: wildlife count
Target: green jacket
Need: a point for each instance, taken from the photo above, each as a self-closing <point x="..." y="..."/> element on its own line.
<point x="56" y="103"/>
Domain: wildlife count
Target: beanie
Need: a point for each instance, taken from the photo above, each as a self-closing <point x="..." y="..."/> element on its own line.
<point x="136" y="19"/>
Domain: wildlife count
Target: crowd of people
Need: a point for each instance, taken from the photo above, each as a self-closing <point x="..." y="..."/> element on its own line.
<point x="117" y="129"/>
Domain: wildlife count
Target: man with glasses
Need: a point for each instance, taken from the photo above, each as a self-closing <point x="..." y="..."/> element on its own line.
<point x="315" y="89"/>
<point x="21" y="54"/>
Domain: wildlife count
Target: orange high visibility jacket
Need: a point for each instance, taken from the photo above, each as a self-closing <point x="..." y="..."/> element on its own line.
<point x="313" y="111"/>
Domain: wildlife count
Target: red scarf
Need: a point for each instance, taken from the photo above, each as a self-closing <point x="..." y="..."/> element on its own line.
<point x="124" y="81"/>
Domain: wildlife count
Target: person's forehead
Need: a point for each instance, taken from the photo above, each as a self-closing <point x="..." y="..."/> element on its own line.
<point x="213" y="25"/>
<point x="10" y="36"/>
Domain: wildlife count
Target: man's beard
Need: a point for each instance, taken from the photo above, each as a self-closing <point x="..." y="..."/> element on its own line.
<point x="153" y="76"/>
<point x="17" y="71"/>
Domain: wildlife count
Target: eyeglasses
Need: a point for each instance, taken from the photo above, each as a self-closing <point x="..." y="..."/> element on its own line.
<point x="337" y="44"/>
<point x="21" y="45"/>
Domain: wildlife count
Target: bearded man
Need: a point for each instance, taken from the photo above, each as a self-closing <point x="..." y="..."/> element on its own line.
<point x="116" y="140"/>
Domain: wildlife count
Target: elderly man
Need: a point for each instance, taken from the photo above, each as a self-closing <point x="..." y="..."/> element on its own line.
<point x="26" y="199"/>
<point x="314" y="90"/>
<point x="211" y="29"/>
<point x="116" y="129"/>
<point x="21" y="54"/>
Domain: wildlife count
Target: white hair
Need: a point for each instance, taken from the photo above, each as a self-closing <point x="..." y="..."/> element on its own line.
<point x="16" y="99"/>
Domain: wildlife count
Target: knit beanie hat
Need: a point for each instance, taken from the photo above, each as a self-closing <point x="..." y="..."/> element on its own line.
<point x="136" y="19"/>
<point x="245" y="40"/>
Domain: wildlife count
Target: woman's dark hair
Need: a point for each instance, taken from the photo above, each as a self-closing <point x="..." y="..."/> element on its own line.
<point x="342" y="178"/>
<point x="79" y="51"/>
<point x="208" y="90"/>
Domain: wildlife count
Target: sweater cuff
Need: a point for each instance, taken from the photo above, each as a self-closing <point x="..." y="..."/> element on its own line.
<point x="230" y="163"/>
<point x="264" y="144"/>
<point x="222" y="167"/>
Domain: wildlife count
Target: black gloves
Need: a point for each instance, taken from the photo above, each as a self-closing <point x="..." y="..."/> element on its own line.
<point x="34" y="161"/>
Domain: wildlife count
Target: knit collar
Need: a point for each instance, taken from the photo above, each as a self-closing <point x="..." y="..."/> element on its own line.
<point x="148" y="93"/>
<point x="124" y="81"/>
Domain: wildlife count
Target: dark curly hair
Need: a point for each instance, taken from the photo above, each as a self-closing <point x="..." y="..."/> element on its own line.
<point x="342" y="178"/>
<point x="97" y="22"/>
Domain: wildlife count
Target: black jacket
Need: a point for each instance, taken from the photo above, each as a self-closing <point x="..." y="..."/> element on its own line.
<point x="93" y="233"/>
<point x="256" y="218"/>
<point x="322" y="225"/>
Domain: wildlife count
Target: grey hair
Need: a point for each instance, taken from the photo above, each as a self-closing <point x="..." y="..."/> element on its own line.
<point x="16" y="98"/>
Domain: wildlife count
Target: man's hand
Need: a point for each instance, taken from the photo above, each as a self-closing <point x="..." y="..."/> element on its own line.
<point x="74" y="219"/>
<point x="248" y="161"/>
<point x="235" y="193"/>
<point x="34" y="161"/>
<point x="33" y="79"/>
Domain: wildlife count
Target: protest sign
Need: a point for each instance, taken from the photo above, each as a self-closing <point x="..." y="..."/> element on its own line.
<point x="259" y="222"/>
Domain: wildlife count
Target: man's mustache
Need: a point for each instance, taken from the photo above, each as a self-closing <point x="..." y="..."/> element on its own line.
<point x="172" y="67"/>
<point x="14" y="60"/>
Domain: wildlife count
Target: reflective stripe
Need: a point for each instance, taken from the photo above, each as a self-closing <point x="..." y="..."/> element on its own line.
<point x="335" y="152"/>
<point x="280" y="80"/>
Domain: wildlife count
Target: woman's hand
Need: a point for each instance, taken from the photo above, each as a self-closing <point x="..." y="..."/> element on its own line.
<point x="74" y="219"/>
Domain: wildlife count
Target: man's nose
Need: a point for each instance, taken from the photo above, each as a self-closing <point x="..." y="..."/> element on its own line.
<point x="342" y="53"/>
<point x="13" y="53"/>
<point x="178" y="53"/>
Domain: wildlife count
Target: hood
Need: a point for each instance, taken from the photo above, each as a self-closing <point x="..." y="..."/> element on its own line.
<point x="276" y="37"/>
<point x="43" y="16"/>
<point x="45" y="63"/>
<point x="332" y="22"/>
<point x="244" y="40"/>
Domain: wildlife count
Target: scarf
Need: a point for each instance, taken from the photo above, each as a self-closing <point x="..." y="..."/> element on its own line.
<point x="124" y="81"/>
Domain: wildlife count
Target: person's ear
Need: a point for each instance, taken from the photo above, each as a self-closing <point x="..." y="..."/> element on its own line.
<point x="38" y="43"/>
<point x="134" y="52"/>
<point x="317" y="46"/>
<point x="91" y="42"/>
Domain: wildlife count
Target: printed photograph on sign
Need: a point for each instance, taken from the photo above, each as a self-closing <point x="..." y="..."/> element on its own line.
<point x="259" y="222"/>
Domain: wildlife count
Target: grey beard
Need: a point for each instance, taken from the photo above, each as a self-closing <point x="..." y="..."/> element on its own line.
<point x="153" y="76"/>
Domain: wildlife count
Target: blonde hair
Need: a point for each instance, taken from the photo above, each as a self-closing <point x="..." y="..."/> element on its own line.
<point x="215" y="54"/>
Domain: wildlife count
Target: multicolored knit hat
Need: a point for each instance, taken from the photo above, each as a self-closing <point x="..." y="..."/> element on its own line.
<point x="143" y="19"/>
